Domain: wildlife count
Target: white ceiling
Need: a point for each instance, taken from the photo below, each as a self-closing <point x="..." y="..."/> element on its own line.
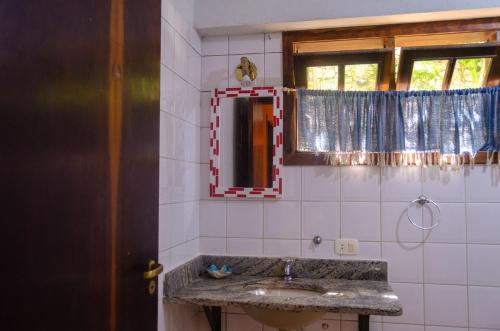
<point x="214" y="17"/>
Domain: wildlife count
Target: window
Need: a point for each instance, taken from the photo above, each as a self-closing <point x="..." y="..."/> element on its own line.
<point x="418" y="56"/>
<point x="445" y="67"/>
<point x="344" y="72"/>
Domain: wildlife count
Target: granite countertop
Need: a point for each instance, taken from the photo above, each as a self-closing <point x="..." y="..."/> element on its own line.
<point x="368" y="294"/>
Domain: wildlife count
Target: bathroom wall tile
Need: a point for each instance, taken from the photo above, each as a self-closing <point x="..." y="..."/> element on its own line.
<point x="483" y="226"/>
<point x="183" y="20"/>
<point x="401" y="183"/>
<point x="235" y="60"/>
<point x="215" y="45"/>
<point x="212" y="246"/>
<point x="367" y="251"/>
<point x="204" y="192"/>
<point x="411" y="296"/>
<point x="245" y="44"/>
<point x="162" y="317"/>
<point x="205" y="109"/>
<point x="446" y="305"/>
<point x="212" y="218"/>
<point x="195" y="40"/>
<point x="167" y="89"/>
<point x="191" y="216"/>
<point x="167" y="44"/>
<point x="443" y="328"/>
<point x="168" y="10"/>
<point x="167" y="131"/>
<point x="273" y="42"/>
<point x="282" y="247"/>
<point x="186" y="101"/>
<point x="273" y="71"/>
<point x="166" y="181"/>
<point x="483" y="307"/>
<point x="395" y="224"/>
<point x="445" y="263"/>
<point x="452" y="223"/>
<point x="320" y="183"/>
<point x="443" y="185"/>
<point x="245" y="219"/>
<point x="353" y="326"/>
<point x="320" y="325"/>
<point x="321" y="218"/>
<point x="483" y="184"/>
<point x="484" y="265"/>
<point x="292" y="183"/>
<point x="184" y="252"/>
<point x="204" y="145"/>
<point x="181" y="49"/>
<point x="325" y="250"/>
<point x="181" y="95"/>
<point x="245" y="247"/>
<point x="282" y="219"/>
<point x="360" y="220"/>
<point x="191" y="143"/>
<point x="405" y="261"/>
<point x="214" y="72"/>
<point x="194" y="69"/>
<point x="403" y="327"/>
<point x="360" y="183"/>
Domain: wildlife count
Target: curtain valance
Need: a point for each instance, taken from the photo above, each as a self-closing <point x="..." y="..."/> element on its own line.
<point x="399" y="127"/>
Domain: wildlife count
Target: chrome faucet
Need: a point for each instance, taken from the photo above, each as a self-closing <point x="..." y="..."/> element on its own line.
<point x="288" y="269"/>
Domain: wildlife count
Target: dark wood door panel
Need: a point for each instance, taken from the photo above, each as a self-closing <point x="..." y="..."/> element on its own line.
<point x="55" y="165"/>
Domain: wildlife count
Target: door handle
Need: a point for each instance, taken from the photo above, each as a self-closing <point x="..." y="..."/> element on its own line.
<point x="154" y="269"/>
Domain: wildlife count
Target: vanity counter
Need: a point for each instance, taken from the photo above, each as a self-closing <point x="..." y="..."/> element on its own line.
<point x="363" y="297"/>
<point x="356" y="287"/>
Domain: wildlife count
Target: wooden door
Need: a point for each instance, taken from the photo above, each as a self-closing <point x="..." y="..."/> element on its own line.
<point x="79" y="114"/>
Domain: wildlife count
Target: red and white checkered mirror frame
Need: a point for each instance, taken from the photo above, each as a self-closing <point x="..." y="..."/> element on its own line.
<point x="215" y="158"/>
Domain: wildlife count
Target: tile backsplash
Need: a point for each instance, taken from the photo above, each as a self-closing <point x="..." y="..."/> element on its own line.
<point x="448" y="278"/>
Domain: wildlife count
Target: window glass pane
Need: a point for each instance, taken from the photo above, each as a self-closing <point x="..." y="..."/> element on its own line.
<point x="428" y="75"/>
<point x="361" y="77"/>
<point x="323" y="78"/>
<point x="470" y="73"/>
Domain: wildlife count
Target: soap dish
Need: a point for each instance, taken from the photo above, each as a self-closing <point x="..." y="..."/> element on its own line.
<point x="219" y="273"/>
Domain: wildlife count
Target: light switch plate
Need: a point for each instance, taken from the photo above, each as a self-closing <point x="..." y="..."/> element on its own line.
<point x="346" y="247"/>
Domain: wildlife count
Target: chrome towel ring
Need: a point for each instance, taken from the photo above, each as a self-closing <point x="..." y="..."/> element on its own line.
<point x="422" y="200"/>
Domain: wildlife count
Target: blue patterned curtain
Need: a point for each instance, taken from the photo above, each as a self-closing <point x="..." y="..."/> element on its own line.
<point x="400" y="127"/>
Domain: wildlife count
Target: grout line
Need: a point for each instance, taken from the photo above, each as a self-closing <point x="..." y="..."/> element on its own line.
<point x="198" y="89"/>
<point x="423" y="248"/>
<point x="184" y="38"/>
<point x="466" y="253"/>
<point x="197" y="126"/>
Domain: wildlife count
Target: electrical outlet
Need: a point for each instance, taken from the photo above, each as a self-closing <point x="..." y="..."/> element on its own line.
<point x="346" y="247"/>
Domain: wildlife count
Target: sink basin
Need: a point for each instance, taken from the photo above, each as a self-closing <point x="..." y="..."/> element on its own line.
<point x="283" y="320"/>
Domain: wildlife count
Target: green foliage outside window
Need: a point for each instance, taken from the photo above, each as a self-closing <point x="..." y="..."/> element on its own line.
<point x="323" y="78"/>
<point x="428" y="75"/>
<point x="470" y="73"/>
<point x="361" y="77"/>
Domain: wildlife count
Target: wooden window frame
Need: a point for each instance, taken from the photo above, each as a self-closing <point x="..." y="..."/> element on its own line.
<point x="453" y="53"/>
<point x="380" y="57"/>
<point x="292" y="156"/>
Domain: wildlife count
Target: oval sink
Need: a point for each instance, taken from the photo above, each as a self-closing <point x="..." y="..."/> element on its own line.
<point x="283" y="320"/>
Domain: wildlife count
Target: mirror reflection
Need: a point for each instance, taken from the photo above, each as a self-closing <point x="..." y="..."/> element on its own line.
<point x="247" y="141"/>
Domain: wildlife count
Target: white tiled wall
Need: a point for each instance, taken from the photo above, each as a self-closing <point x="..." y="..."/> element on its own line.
<point x="179" y="205"/>
<point x="448" y="278"/>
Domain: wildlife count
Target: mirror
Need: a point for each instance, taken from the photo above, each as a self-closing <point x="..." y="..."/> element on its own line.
<point x="246" y="143"/>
